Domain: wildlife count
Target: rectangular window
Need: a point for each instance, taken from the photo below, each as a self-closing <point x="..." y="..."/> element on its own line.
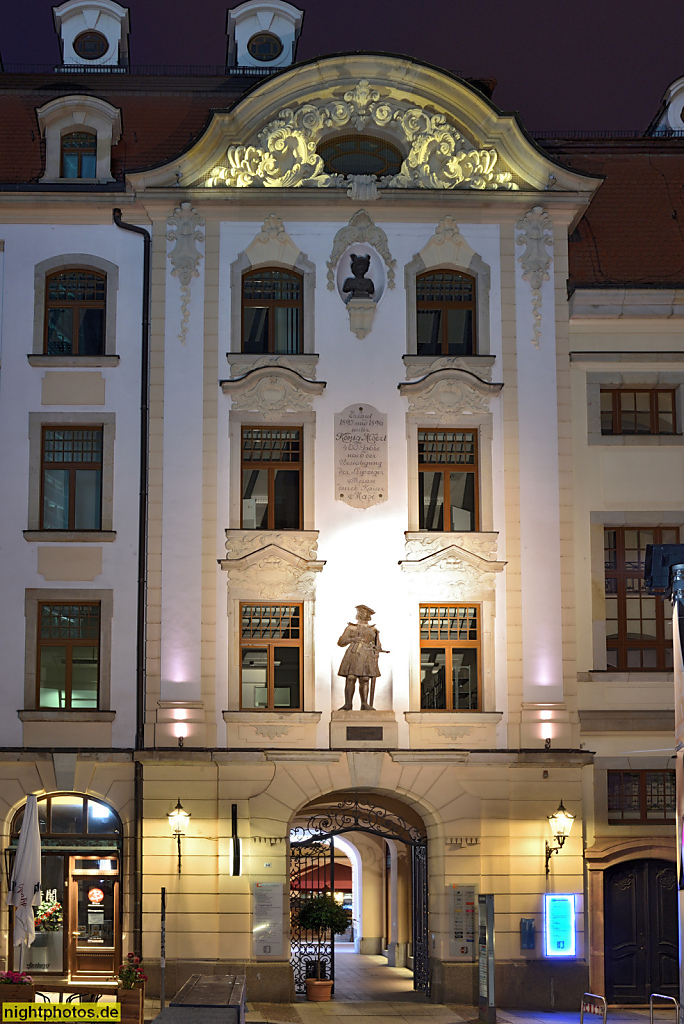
<point x="638" y="411"/>
<point x="271" y="657"/>
<point x="71" y="478"/>
<point x="68" y="656"/>
<point x="75" y="302"/>
<point x="271" y="478"/>
<point x="638" y="624"/>
<point x="449" y="657"/>
<point x="641" y="797"/>
<point x="447" y="480"/>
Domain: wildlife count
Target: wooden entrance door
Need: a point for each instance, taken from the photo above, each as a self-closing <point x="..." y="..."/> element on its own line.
<point x="640" y="904"/>
<point x="94" y="948"/>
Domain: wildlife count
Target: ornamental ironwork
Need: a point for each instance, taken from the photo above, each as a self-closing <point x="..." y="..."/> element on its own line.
<point x="356" y="816"/>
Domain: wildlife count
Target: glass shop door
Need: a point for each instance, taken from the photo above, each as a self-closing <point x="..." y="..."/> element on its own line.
<point x="95" y="941"/>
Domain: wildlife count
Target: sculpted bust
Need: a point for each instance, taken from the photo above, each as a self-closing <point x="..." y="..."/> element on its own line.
<point x="359" y="286"/>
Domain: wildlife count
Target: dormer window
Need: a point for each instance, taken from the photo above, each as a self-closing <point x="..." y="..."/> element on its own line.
<point x="91" y="45"/>
<point x="360" y="154"/>
<point x="264" y="46"/>
<point x="79" y="155"/>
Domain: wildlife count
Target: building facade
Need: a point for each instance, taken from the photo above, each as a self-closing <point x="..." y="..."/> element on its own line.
<point x="292" y="362"/>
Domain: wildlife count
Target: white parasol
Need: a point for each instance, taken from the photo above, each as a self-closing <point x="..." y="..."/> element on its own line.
<point x="24" y="891"/>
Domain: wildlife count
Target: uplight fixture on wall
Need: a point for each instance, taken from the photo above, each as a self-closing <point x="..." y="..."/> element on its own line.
<point x="178" y="823"/>
<point x="561" y="823"/>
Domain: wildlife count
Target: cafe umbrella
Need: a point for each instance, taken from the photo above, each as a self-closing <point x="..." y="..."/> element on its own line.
<point x="24" y="891"/>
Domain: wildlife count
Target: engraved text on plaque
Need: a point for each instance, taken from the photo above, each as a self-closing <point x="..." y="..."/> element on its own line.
<point x="361" y="456"/>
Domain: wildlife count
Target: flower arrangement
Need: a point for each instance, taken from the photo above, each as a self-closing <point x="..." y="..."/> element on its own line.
<point x="15" y="978"/>
<point x="131" y="972"/>
<point x="48" y="916"/>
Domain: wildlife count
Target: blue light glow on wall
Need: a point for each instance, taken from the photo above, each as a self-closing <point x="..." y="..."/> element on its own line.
<point x="559" y="924"/>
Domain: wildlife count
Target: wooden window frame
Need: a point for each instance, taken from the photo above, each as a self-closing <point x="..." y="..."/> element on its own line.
<point x="93" y="152"/>
<point x="272" y="305"/>
<point x="271" y="467"/>
<point x="449" y="647"/>
<point x="70" y="644"/>
<point x="444" y="305"/>
<point x="75" y="305"/>
<point x="446" y="468"/>
<point x="616" y="412"/>
<point x="270" y="643"/>
<point x="643" y="819"/>
<point x="662" y="644"/>
<point x="72" y="468"/>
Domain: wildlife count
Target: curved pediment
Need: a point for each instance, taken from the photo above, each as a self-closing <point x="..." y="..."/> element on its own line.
<point x="447" y="134"/>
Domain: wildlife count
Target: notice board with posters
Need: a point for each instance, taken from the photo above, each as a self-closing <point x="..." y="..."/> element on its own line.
<point x="462" y="921"/>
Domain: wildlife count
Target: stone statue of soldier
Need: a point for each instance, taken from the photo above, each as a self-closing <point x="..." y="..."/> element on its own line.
<point x="360" y="660"/>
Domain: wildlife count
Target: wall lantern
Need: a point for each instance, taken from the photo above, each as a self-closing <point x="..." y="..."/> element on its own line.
<point x="561" y="823"/>
<point x="178" y="823"/>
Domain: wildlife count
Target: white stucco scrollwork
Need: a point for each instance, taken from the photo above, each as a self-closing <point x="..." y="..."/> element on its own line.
<point x="451" y="572"/>
<point x="438" y="156"/>
<point x="360" y="228"/>
<point x="449" y="390"/>
<point x="303" y="544"/>
<point x="273" y="390"/>
<point x="537" y="233"/>
<point x="185" y="256"/>
<point x="425" y="365"/>
<point x="271" y="572"/>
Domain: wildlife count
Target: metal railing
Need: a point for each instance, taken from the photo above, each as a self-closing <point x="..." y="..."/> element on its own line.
<point x="593" y="1004"/>
<point x="659" y="995"/>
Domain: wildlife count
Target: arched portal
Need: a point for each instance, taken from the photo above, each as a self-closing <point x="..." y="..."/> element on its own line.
<point x="312" y="871"/>
<point x="78" y="922"/>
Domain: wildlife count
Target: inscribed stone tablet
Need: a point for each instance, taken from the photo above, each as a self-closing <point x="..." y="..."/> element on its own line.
<point x="361" y="456"/>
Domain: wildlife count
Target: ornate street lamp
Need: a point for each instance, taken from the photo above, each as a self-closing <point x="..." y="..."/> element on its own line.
<point x="561" y="823"/>
<point x="178" y="823"/>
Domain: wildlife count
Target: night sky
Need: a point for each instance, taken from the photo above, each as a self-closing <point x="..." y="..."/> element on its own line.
<point x="588" y="64"/>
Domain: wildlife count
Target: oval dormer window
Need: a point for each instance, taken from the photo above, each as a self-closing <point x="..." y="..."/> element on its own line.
<point x="360" y="154"/>
<point x="91" y="45"/>
<point x="264" y="46"/>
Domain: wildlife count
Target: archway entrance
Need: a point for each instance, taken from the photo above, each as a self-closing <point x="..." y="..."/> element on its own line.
<point x="641" y="930"/>
<point x="313" y="863"/>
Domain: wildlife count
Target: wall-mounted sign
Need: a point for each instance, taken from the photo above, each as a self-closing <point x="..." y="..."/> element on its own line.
<point x="361" y="456"/>
<point x="95" y="895"/>
<point x="559" y="924"/>
<point x="267" y="918"/>
<point x="462" y="914"/>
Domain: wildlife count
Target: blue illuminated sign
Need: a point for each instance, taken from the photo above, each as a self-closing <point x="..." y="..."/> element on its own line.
<point x="559" y="924"/>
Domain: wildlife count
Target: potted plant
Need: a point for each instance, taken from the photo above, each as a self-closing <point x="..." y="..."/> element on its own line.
<point x="16" y="987"/>
<point x="323" y="916"/>
<point x="131" y="992"/>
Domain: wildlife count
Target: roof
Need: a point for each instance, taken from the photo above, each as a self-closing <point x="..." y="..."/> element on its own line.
<point x="632" y="234"/>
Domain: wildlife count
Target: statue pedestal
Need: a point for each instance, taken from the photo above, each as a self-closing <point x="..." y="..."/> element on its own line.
<point x="361" y="313"/>
<point x="363" y="730"/>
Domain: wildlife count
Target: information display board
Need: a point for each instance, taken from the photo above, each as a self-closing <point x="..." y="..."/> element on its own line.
<point x="462" y="921"/>
<point x="486" y="964"/>
<point x="267" y="918"/>
<point x="560" y="929"/>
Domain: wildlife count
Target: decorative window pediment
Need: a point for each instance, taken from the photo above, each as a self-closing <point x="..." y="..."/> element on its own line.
<point x="449" y="391"/>
<point x="458" y="566"/>
<point x="272" y="389"/>
<point x="271" y="564"/>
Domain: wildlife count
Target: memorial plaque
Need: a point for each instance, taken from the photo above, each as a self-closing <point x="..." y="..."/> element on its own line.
<point x="364" y="732"/>
<point x="361" y="456"/>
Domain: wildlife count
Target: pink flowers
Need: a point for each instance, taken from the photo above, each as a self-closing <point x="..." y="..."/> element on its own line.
<point x="15" y="978"/>
<point x="130" y="972"/>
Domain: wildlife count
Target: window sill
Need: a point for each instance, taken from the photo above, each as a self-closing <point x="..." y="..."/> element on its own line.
<point x="71" y="536"/>
<point x="638" y="440"/>
<point x="626" y="676"/>
<point x="82" y="361"/>
<point x="252" y="716"/>
<point x="60" y="715"/>
<point x="449" y="717"/>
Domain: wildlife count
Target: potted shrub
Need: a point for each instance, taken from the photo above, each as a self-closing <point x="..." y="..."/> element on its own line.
<point x="131" y="992"/>
<point x="16" y="987"/>
<point x="322" y="916"/>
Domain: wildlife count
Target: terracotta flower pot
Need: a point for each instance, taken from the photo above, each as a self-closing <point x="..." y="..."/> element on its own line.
<point x="132" y="1004"/>
<point x="318" y="990"/>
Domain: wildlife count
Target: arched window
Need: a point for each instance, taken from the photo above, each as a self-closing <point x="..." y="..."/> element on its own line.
<point x="271" y="311"/>
<point x="75" y="313"/>
<point x="445" y="312"/>
<point x="360" y="154"/>
<point x="73" y="815"/>
<point x="79" y="155"/>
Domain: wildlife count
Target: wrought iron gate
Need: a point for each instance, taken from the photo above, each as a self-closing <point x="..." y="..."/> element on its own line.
<point x="312" y="856"/>
<point x="312" y="870"/>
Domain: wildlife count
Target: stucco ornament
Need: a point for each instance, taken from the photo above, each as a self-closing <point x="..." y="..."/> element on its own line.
<point x="285" y="152"/>
<point x="272" y="390"/>
<point x="449" y="390"/>
<point x="360" y="228"/>
<point x="450" y="571"/>
<point x="185" y="256"/>
<point x="537" y="233"/>
<point x="272" y="227"/>
<point x="272" y="570"/>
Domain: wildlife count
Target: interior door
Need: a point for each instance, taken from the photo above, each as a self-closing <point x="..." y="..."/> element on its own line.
<point x="641" y="948"/>
<point x="94" y="948"/>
